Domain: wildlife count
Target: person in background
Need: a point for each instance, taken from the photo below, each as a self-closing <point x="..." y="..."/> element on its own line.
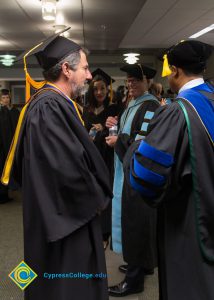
<point x="95" y="113"/>
<point x="99" y="103"/>
<point x="8" y="121"/>
<point x="121" y="90"/>
<point x="120" y="96"/>
<point x="170" y="96"/>
<point x="64" y="180"/>
<point x="14" y="112"/>
<point x="133" y="222"/>
<point x="156" y="90"/>
<point x="173" y="169"/>
<point x="5" y="98"/>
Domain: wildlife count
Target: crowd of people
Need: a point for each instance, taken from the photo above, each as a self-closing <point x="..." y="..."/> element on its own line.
<point x="132" y="168"/>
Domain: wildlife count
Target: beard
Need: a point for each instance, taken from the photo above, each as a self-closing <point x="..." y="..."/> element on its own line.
<point x="78" y="90"/>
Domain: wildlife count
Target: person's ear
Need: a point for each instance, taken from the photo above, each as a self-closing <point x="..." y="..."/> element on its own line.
<point x="175" y="71"/>
<point x="66" y="70"/>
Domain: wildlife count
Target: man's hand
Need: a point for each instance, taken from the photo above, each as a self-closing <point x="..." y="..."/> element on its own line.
<point x="163" y="101"/>
<point x="111" y="140"/>
<point x="98" y="127"/>
<point x="111" y="121"/>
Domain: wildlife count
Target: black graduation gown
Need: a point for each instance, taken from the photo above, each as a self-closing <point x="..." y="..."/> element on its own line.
<point x="138" y="219"/>
<point x="7" y="128"/>
<point x="106" y="152"/>
<point x="64" y="188"/>
<point x="14" y="116"/>
<point x="184" y="272"/>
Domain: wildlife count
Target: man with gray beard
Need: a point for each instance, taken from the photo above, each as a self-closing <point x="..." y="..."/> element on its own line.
<point x="64" y="182"/>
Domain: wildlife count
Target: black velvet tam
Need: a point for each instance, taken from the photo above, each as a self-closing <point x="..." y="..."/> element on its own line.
<point x="190" y="55"/>
<point x="138" y="70"/>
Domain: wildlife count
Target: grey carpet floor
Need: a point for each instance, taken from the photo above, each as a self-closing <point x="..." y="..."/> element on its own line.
<point x="11" y="254"/>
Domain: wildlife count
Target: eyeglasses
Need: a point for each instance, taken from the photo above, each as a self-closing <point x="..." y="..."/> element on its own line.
<point x="133" y="81"/>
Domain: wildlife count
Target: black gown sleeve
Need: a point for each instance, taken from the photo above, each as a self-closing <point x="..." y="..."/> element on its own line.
<point x="14" y="115"/>
<point x="123" y="142"/>
<point x="153" y="160"/>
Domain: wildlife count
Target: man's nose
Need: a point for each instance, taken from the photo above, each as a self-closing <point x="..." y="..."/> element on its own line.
<point x="88" y="76"/>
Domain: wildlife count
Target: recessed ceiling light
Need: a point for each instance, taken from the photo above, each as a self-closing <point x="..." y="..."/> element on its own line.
<point x="7" y="59"/>
<point x="201" y="32"/>
<point x="103" y="27"/>
<point x="131" y="58"/>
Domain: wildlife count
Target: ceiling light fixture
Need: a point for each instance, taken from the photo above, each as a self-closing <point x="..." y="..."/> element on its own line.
<point x="59" y="28"/>
<point x="201" y="32"/>
<point x="7" y="59"/>
<point x="49" y="10"/>
<point x="131" y="58"/>
<point x="59" y="18"/>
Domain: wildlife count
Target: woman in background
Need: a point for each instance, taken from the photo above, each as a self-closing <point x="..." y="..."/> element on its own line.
<point x="95" y="113"/>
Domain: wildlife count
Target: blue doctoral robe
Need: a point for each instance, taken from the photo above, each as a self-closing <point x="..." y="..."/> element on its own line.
<point x="126" y="126"/>
<point x="173" y="169"/>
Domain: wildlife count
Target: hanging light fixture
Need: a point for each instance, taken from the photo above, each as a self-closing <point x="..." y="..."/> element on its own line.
<point x="131" y="58"/>
<point x="59" y="28"/>
<point x="7" y="59"/>
<point x="49" y="10"/>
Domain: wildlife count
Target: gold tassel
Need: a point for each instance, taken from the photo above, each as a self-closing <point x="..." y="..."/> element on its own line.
<point x="166" y="69"/>
<point x="29" y="81"/>
<point x="35" y="84"/>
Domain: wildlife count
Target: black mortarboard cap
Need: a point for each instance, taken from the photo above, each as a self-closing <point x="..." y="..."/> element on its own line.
<point x="5" y="92"/>
<point x="99" y="72"/>
<point x="48" y="53"/>
<point x="52" y="50"/>
<point x="138" y="70"/>
<point x="190" y="55"/>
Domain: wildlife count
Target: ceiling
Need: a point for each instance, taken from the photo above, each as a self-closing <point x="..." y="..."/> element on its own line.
<point x="109" y="27"/>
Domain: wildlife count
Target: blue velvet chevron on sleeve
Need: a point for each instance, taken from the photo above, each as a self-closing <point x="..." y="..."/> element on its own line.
<point x="143" y="179"/>
<point x="138" y="187"/>
<point x="160" y="157"/>
<point x="147" y="175"/>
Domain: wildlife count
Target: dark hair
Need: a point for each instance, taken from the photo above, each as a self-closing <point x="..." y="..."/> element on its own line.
<point x="92" y="102"/>
<point x="193" y="71"/>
